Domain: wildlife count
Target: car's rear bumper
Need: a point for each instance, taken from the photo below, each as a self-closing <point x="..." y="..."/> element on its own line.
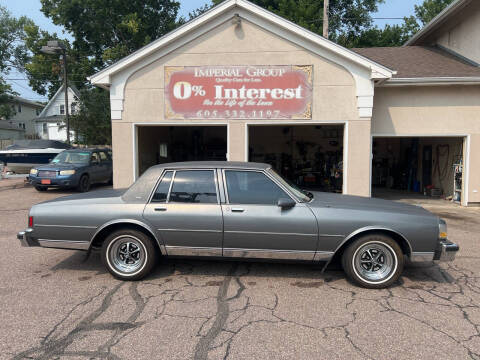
<point x="446" y="251"/>
<point x="26" y="239"/>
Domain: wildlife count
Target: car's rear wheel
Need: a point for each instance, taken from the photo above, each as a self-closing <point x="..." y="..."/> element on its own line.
<point x="373" y="261"/>
<point x="41" y="188"/>
<point x="129" y="254"/>
<point x="84" y="183"/>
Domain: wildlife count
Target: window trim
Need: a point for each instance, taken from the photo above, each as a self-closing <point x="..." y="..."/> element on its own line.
<point x="165" y="170"/>
<point x="227" y="197"/>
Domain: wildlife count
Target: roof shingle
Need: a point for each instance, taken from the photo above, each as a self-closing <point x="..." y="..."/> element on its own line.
<point x="420" y="61"/>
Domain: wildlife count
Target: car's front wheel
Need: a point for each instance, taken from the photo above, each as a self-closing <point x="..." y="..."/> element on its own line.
<point x="129" y="254"/>
<point x="373" y="261"/>
<point x="84" y="183"/>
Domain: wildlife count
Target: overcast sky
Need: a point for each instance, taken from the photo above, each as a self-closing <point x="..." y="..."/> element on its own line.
<point x="31" y="8"/>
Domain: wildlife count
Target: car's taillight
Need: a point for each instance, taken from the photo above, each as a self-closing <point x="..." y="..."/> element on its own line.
<point x="30" y="221"/>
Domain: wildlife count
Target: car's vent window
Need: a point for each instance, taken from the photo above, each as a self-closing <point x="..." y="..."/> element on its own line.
<point x="161" y="192"/>
<point x="252" y="187"/>
<point x="194" y="186"/>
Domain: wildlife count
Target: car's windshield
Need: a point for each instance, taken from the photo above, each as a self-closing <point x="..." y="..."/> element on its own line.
<point x="72" y="157"/>
<point x="302" y="195"/>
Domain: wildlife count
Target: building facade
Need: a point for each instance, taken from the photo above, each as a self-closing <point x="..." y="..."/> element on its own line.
<point x="240" y="83"/>
<point x="23" y="119"/>
<point x="50" y="123"/>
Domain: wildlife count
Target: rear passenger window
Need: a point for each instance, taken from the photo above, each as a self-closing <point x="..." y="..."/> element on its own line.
<point x="161" y="192"/>
<point x="194" y="186"/>
<point x="103" y="156"/>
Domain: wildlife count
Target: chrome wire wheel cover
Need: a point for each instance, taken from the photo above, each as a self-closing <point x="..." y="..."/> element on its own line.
<point x="126" y="255"/>
<point x="375" y="262"/>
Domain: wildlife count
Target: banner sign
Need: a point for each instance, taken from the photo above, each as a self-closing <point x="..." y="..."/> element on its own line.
<point x="238" y="92"/>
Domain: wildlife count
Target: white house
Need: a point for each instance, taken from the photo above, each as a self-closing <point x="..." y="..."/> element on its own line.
<point x="50" y="124"/>
<point x="22" y="123"/>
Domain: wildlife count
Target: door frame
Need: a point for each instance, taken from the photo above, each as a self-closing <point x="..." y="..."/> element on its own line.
<point x="466" y="155"/>
<point x="312" y="123"/>
<point x="136" y="125"/>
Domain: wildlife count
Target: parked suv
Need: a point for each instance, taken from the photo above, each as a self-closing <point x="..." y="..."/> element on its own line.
<point x="76" y="168"/>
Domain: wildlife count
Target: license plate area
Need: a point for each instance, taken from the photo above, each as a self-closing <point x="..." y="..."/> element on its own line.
<point x="46" y="181"/>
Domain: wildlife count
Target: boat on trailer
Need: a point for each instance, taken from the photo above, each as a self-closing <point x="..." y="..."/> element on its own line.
<point x="23" y="155"/>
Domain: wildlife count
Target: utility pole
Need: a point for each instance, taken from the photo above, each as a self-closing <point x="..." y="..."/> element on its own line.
<point x="58" y="47"/>
<point x="325" y="18"/>
<point x="65" y="84"/>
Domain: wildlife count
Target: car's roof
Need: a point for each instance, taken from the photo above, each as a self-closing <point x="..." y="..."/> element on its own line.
<point x="214" y="164"/>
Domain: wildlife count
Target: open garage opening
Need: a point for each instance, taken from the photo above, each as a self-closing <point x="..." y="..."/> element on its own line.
<point x="163" y="144"/>
<point x="418" y="166"/>
<point x="310" y="156"/>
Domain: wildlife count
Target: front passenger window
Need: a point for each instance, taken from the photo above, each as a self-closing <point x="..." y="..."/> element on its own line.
<point x="252" y="187"/>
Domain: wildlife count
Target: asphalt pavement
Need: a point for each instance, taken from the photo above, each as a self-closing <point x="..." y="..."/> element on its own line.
<point x="59" y="304"/>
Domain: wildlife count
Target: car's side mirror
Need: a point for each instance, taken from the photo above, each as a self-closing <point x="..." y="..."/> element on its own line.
<point x="285" y="203"/>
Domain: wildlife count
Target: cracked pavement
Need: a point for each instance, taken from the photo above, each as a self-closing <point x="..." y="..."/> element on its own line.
<point x="57" y="304"/>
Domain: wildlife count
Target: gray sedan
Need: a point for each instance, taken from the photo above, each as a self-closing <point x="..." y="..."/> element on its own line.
<point x="238" y="210"/>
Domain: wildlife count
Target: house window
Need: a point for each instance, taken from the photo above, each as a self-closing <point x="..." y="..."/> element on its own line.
<point x="45" y="128"/>
<point x="62" y="109"/>
<point x="23" y="126"/>
<point x="19" y="108"/>
<point x="73" y="106"/>
<point x="37" y="111"/>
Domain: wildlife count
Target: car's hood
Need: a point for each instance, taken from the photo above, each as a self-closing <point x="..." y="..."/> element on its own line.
<point x="110" y="196"/>
<point x="322" y="199"/>
<point x="58" y="166"/>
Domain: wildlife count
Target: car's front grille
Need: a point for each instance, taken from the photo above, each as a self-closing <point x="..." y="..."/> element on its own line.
<point x="47" y="173"/>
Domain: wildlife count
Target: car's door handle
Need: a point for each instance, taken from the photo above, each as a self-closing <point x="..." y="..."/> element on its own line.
<point x="237" y="209"/>
<point x="160" y="209"/>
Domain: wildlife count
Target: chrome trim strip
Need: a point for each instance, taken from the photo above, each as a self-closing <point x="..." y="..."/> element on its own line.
<point x="330" y="235"/>
<point x="167" y="200"/>
<point x="191" y="230"/>
<point x="422" y="256"/>
<point x="64" y="244"/>
<point x="193" y="251"/>
<point x="323" y="255"/>
<point x="268" y="254"/>
<point x="268" y="233"/>
<point x="163" y="251"/>
<point x="68" y="226"/>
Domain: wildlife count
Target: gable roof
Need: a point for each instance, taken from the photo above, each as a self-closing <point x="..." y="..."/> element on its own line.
<point x="103" y="77"/>
<point x="18" y="99"/>
<point x="446" y="14"/>
<point x="421" y="62"/>
<point x="60" y="89"/>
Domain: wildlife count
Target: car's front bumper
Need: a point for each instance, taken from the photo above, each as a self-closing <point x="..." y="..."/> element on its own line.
<point x="26" y="238"/>
<point x="59" y="181"/>
<point x="446" y="251"/>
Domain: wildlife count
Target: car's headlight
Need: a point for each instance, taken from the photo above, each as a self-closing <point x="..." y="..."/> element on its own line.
<point x="442" y="230"/>
<point x="67" y="172"/>
<point x="33" y="171"/>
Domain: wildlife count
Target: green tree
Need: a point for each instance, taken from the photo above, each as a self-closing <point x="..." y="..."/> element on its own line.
<point x="108" y="30"/>
<point x="13" y="53"/>
<point x="92" y="121"/>
<point x="429" y="9"/>
<point x="347" y="18"/>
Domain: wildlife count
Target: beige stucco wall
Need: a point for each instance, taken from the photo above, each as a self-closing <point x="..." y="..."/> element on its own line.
<point x="433" y="111"/>
<point x="334" y="95"/>
<point x="462" y="33"/>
